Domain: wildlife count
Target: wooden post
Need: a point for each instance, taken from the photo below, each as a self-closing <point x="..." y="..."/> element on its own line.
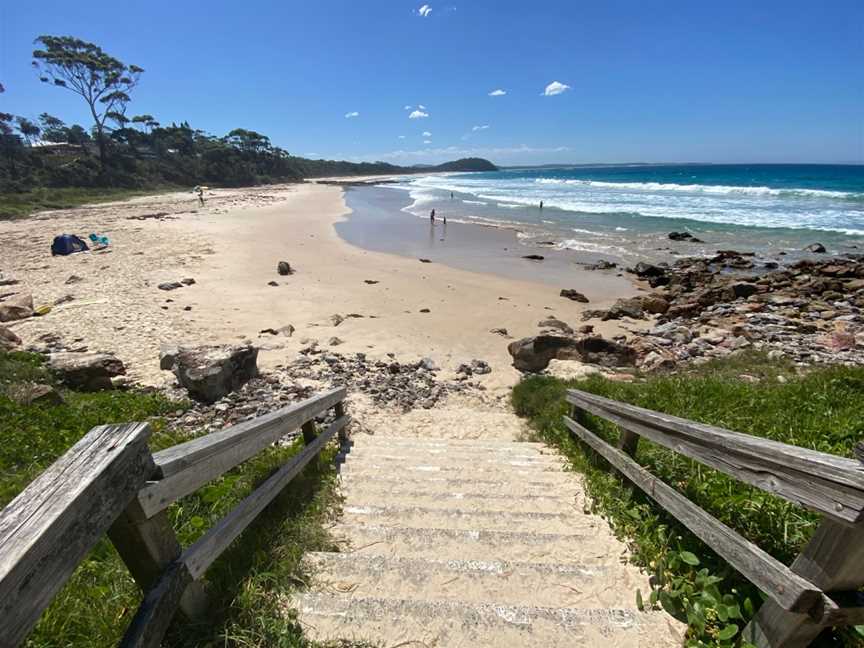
<point x="627" y="441"/>
<point x="309" y="431"/>
<point x="344" y="442"/>
<point x="859" y="451"/>
<point x="833" y="560"/>
<point x="148" y="547"/>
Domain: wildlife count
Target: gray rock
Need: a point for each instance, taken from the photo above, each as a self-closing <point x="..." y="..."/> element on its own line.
<point x="500" y="331"/>
<point x="73" y="279"/>
<point x="334" y="341"/>
<point x="556" y="324"/>
<point x="208" y="373"/>
<point x="86" y="371"/>
<point x="8" y="339"/>
<point x="43" y="395"/>
<point x="816" y="248"/>
<point x="188" y="281"/>
<point x="16" y="307"/>
<point x="170" y="285"/>
<point x="626" y="308"/>
<point x="168" y="356"/>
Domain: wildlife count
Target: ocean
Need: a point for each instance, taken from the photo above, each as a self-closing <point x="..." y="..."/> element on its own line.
<point x="627" y="211"/>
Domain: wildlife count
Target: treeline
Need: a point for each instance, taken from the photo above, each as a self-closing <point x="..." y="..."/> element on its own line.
<point x="136" y="151"/>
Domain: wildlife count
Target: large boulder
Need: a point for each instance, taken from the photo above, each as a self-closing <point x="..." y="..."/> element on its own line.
<point x="533" y="354"/>
<point x="16" y="307"/>
<point x="208" y="373"/>
<point x="8" y="339"/>
<point x="86" y="371"/>
<point x="626" y="308"/>
<point x="575" y="295"/>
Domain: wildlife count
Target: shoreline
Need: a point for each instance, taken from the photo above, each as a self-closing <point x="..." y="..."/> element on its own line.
<point x="231" y="248"/>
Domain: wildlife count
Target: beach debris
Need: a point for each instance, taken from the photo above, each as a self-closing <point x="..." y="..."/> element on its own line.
<point x="532" y="354"/>
<point x="42" y="309"/>
<point x="210" y="372"/>
<point x="575" y="295"/>
<point x="284" y="268"/>
<point x="188" y="281"/>
<point x="86" y="371"/>
<point x="474" y="368"/>
<point x="73" y="279"/>
<point x="170" y="285"/>
<point x="425" y="261"/>
<point x="500" y="331"/>
<point x="533" y="257"/>
<point x="98" y="241"/>
<point x="9" y="340"/>
<point x="336" y="319"/>
<point x="816" y="248"/>
<point x="684" y="236"/>
<point x="272" y="283"/>
<point x="425" y="310"/>
<point x="66" y="244"/>
<point x="16" y="307"/>
<point x="371" y="282"/>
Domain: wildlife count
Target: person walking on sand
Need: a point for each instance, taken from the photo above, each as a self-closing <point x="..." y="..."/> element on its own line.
<point x="200" y="191"/>
<point x="445" y="219"/>
<point x="432" y="216"/>
<point x="451" y="195"/>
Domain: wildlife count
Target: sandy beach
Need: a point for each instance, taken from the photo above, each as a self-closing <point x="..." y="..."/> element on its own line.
<point x="231" y="248"/>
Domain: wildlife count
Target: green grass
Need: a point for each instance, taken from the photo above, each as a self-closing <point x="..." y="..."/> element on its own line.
<point x="247" y="584"/>
<point x="19" y="205"/>
<point x="822" y="409"/>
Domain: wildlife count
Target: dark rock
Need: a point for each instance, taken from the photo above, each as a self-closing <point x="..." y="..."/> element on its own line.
<point x="741" y="289"/>
<point x="534" y="257"/>
<point x="18" y="306"/>
<point x="371" y="282"/>
<point x="558" y="325"/>
<point x="586" y="329"/>
<point x="336" y="319"/>
<point x="425" y="310"/>
<point x="425" y="261"/>
<point x="170" y="285"/>
<point x="188" y="281"/>
<point x="684" y="236"/>
<point x="210" y="373"/>
<point x="655" y="304"/>
<point x="334" y="341"/>
<point x="603" y="264"/>
<point x="474" y="368"/>
<point x="43" y="395"/>
<point x="272" y="283"/>
<point x="533" y="354"/>
<point x="73" y="279"/>
<point x="284" y="268"/>
<point x="626" y="308"/>
<point x="575" y="295"/>
<point x="644" y="270"/>
<point x="816" y="248"/>
<point x="86" y="371"/>
<point x="594" y="313"/>
<point x="500" y="331"/>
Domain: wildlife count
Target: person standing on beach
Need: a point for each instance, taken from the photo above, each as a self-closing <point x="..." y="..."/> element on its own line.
<point x="451" y="195"/>
<point x="445" y="219"/>
<point x="541" y="204"/>
<point x="200" y="191"/>
<point x="432" y="216"/>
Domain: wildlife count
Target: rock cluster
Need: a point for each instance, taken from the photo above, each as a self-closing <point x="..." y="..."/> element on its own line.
<point x="403" y="385"/>
<point x="811" y="311"/>
<point x="533" y="354"/>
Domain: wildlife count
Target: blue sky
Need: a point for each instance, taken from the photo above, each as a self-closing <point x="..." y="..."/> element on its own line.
<point x="772" y="81"/>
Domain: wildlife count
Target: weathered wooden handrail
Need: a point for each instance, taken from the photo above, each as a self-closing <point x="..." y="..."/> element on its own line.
<point x="52" y="524"/>
<point x="818" y="590"/>
<point x="109" y="481"/>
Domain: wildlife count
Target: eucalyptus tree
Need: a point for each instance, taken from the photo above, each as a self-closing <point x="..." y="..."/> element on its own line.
<point x="103" y="81"/>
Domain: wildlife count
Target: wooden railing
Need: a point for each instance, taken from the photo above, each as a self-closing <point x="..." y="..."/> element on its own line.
<point x="821" y="588"/>
<point x="110" y="481"/>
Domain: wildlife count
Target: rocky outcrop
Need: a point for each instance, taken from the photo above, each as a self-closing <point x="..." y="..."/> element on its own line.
<point x="16" y="307"/>
<point x="86" y="371"/>
<point x="534" y="353"/>
<point x="210" y="372"/>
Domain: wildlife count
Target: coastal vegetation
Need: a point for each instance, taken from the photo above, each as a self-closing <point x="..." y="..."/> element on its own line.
<point x="820" y="409"/>
<point x="248" y="583"/>
<point x="47" y="163"/>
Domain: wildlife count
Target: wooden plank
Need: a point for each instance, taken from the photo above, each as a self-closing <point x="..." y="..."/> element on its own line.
<point x="309" y="432"/>
<point x="822" y="482"/>
<point x="188" y="466"/>
<point x="201" y="555"/>
<point x="834" y="561"/>
<point x="148" y="547"/>
<point x="49" y="528"/>
<point x="155" y="613"/>
<point x="789" y="590"/>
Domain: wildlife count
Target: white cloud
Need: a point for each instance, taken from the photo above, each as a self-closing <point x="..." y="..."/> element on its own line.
<point x="418" y="114"/>
<point x="408" y="107"/>
<point x="427" y="141"/>
<point x="352" y="114"/>
<point x="425" y="10"/>
<point x="479" y="128"/>
<point x="555" y="88"/>
<point x="515" y="153"/>
<point x="421" y="107"/>
<point x="401" y="137"/>
<point x="427" y="134"/>
<point x="498" y="93"/>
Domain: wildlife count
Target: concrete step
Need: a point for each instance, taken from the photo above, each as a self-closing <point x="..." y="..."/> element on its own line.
<point x="474" y="544"/>
<point x="394" y="513"/>
<point x="377" y="440"/>
<point x="513" y="583"/>
<point x="358" y="493"/>
<point x="454" y="624"/>
<point x="436" y="482"/>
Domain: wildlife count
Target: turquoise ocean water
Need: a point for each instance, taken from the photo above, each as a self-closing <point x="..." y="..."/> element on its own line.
<point x="627" y="210"/>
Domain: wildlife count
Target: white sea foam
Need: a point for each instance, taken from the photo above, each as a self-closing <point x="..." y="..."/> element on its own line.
<point x="474" y="202"/>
